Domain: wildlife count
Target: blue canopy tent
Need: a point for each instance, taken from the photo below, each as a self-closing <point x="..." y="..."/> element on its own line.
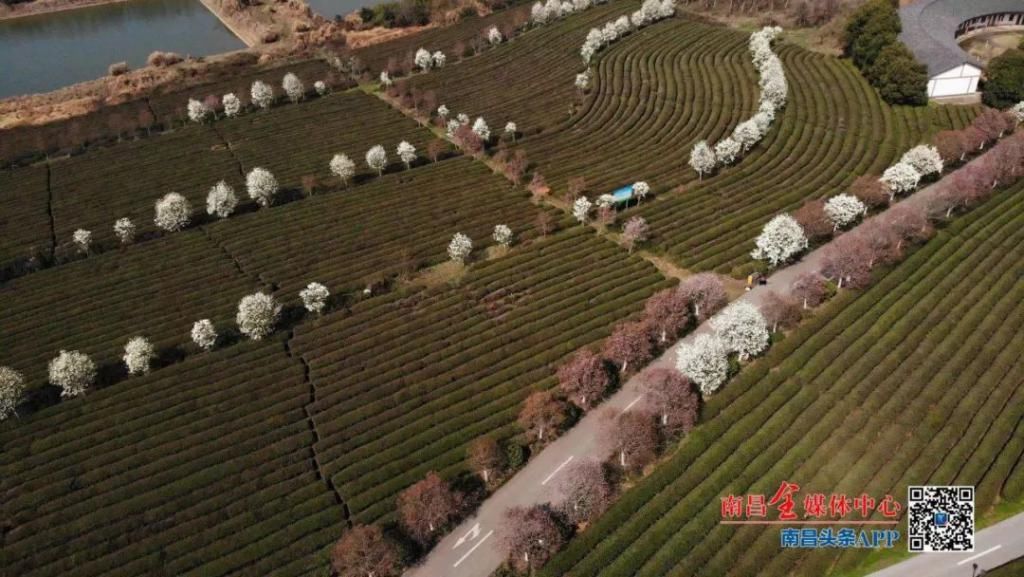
<point x="623" y="194"/>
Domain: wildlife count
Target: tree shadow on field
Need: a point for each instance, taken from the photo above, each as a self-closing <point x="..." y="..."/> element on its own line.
<point x="291" y="316"/>
<point x="38" y="399"/>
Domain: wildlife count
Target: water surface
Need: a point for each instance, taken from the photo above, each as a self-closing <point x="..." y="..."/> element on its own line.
<point x="48" y="51"/>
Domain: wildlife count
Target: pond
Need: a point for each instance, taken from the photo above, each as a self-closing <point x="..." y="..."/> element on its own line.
<point x="49" y="51"/>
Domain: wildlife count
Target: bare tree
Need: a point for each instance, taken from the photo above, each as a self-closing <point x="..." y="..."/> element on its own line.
<point x="486" y="456"/>
<point x="629" y="344"/>
<point x="538" y="185"/>
<point x="583" y="378"/>
<point x="812" y="218"/>
<point x="545" y="223"/>
<point x="530" y="536"/>
<point x="542" y="415"/>
<point x="427" y="507"/>
<point x="577" y="185"/>
<point x="780" y="311"/>
<point x="910" y="224"/>
<point x="951" y="145"/>
<point x="847" y="261"/>
<point x="672" y="397"/>
<point x="666" y="312"/>
<point x="870" y="190"/>
<point x="633" y="436"/>
<point x="515" y="166"/>
<point x="586" y="491"/>
<point x="810" y="289"/>
<point x="364" y="551"/>
<point x="436" y="148"/>
<point x="705" y="292"/>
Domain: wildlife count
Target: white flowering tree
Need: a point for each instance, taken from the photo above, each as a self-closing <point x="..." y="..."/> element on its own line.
<point x="742" y="329"/>
<point x="12" y="385"/>
<point x="124" y="228"/>
<point x="204" y="334"/>
<point x="320" y="87"/>
<point x="844" y="209"/>
<point x="780" y="239"/>
<point x="439" y="59"/>
<point x="232" y="106"/>
<point x="173" y="212"/>
<point x="343" y="167"/>
<point x="481" y="129"/>
<point x="583" y="80"/>
<point x="705" y="362"/>
<point x="538" y="15"/>
<point x="494" y="35"/>
<point x="293" y="87"/>
<point x="73" y="372"/>
<point x="423" y="59"/>
<point x="640" y="190"/>
<point x="747" y="134"/>
<point x="138" y="354"/>
<point x="924" y="158"/>
<point x="314" y="297"/>
<point x="385" y="79"/>
<point x="1017" y="111"/>
<point x="459" y="248"/>
<point x="899" y="178"/>
<point x="727" y="150"/>
<point x="221" y="200"/>
<point x="261" y="186"/>
<point x="198" y="111"/>
<point x="581" y="209"/>
<point x="377" y="159"/>
<point x="451" y="128"/>
<point x="463" y="118"/>
<point x="406" y="153"/>
<point x="503" y="235"/>
<point x="443" y="112"/>
<point x="257" y="315"/>
<point x="510" y="130"/>
<point x="82" y="239"/>
<point x="702" y="159"/>
<point x="262" y="94"/>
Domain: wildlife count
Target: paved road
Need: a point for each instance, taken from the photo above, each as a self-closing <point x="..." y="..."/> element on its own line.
<point x="472" y="549"/>
<point x="994" y="546"/>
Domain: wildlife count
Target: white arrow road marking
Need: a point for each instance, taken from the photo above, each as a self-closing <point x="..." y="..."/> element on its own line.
<point x="470" y="552"/>
<point x="630" y="406"/>
<point x="985" y="552"/>
<point x="473" y="533"/>
<point x="557" y="469"/>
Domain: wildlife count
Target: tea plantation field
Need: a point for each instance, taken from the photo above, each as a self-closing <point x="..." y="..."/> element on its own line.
<point x="395" y="224"/>
<point x="24" y="220"/>
<point x="94" y="189"/>
<point x="917" y="380"/>
<point x="201" y="468"/>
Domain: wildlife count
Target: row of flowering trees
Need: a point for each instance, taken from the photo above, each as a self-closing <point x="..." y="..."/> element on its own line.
<point x="786" y="236"/>
<point x="650" y="11"/>
<point x="173" y="212"/>
<point x="261" y="95"/>
<point x="461" y="246"/>
<point x="542" y="13"/>
<point x="774" y="92"/>
<point x="74" y="372"/>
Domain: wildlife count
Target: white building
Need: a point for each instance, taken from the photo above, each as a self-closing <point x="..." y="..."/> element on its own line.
<point x="933" y="28"/>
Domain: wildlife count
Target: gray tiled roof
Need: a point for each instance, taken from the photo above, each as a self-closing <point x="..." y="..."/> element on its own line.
<point x="929" y="27"/>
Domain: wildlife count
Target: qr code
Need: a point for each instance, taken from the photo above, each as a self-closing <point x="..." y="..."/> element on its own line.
<point x="940" y="519"/>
